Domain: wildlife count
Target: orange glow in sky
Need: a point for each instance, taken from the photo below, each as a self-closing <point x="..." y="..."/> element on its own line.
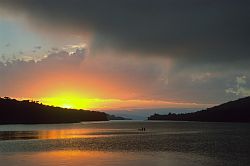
<point x="91" y="88"/>
<point x="77" y="101"/>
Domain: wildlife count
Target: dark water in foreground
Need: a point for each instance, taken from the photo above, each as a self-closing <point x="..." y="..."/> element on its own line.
<point x="120" y="143"/>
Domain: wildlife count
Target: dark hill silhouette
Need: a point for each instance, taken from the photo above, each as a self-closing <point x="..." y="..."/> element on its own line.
<point x="13" y="111"/>
<point x="233" y="111"/>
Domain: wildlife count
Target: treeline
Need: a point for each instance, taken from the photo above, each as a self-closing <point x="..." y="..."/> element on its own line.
<point x="233" y="111"/>
<point x="13" y="111"/>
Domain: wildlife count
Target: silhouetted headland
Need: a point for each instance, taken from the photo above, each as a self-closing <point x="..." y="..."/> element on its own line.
<point x="233" y="111"/>
<point x="13" y="111"/>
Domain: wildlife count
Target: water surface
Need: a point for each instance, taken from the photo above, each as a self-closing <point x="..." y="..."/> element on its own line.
<point x="121" y="143"/>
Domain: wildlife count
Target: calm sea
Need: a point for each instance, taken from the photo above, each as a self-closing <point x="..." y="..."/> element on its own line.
<point x="123" y="143"/>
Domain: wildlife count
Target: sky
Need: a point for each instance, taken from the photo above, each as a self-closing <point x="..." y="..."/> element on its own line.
<point x="127" y="54"/>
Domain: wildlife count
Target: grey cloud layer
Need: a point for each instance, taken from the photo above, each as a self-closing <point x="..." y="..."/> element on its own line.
<point x="200" y="31"/>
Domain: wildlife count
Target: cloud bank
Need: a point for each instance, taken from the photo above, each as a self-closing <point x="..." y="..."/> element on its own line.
<point x="240" y="88"/>
<point x="206" y="31"/>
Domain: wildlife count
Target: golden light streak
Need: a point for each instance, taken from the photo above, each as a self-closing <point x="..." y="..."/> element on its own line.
<point x="114" y="104"/>
<point x="76" y="100"/>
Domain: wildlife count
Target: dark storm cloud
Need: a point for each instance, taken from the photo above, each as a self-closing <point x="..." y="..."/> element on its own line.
<point x="195" y="30"/>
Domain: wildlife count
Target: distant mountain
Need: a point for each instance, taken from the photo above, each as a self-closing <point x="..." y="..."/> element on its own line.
<point x="233" y="111"/>
<point x="114" y="117"/>
<point x="144" y="113"/>
<point x="13" y="111"/>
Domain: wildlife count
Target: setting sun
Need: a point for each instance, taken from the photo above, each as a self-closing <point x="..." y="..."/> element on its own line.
<point x="67" y="106"/>
<point x="68" y="100"/>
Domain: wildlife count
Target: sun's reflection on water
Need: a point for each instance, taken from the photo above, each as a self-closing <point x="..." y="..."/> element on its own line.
<point x="51" y="134"/>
